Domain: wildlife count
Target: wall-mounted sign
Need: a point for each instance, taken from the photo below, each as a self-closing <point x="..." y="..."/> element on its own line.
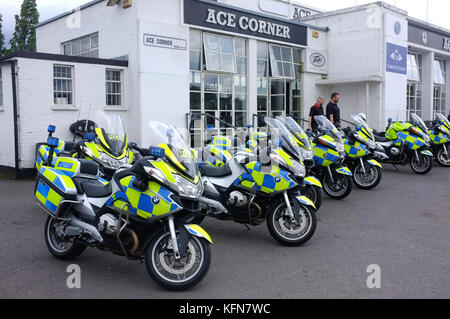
<point x="300" y="12"/>
<point x="285" y="9"/>
<point x="165" y="42"/>
<point x="316" y="61"/>
<point x="435" y="39"/>
<point x="396" y="58"/>
<point x="226" y="18"/>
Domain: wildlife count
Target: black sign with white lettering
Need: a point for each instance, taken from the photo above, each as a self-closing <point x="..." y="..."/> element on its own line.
<point x="211" y="15"/>
<point x="427" y="37"/>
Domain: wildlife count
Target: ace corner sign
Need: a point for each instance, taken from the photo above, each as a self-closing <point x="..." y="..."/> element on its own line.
<point x="396" y="59"/>
<point x="164" y="42"/>
<point x="209" y="15"/>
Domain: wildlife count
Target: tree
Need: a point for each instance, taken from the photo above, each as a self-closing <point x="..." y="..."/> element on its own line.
<point x="24" y="37"/>
<point x="2" y="37"/>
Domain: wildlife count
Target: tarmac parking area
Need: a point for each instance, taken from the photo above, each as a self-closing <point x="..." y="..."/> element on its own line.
<point x="403" y="226"/>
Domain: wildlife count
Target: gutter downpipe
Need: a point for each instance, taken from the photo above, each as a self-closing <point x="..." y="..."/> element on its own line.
<point x="16" y="175"/>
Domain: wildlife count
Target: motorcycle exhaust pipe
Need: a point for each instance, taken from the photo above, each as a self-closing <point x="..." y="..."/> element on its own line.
<point x="78" y="228"/>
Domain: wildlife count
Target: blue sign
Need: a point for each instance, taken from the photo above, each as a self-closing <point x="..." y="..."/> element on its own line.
<point x="396" y="57"/>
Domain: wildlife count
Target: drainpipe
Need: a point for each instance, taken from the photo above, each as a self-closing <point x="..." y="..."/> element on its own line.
<point x="13" y="64"/>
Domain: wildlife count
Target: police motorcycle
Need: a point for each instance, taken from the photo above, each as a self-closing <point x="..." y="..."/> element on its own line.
<point x="253" y="188"/>
<point x="108" y="145"/>
<point x="313" y="187"/>
<point x="141" y="214"/>
<point x="329" y="157"/>
<point x="405" y="143"/>
<point x="360" y="149"/>
<point x="440" y="138"/>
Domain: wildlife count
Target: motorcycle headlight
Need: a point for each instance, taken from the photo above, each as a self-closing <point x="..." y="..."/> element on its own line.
<point x="113" y="163"/>
<point x="187" y="188"/>
<point x="298" y="169"/>
<point x="308" y="155"/>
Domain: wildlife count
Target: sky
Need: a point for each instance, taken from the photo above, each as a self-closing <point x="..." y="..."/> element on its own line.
<point x="437" y="10"/>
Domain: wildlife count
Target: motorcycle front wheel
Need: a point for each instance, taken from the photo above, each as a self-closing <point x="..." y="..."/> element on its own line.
<point x="340" y="189"/>
<point x="442" y="158"/>
<point x="423" y="165"/>
<point x="287" y="233"/>
<point x="368" y="180"/>
<point x="314" y="193"/>
<point x="180" y="274"/>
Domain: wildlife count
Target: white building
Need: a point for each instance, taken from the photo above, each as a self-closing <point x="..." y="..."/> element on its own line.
<point x="230" y="59"/>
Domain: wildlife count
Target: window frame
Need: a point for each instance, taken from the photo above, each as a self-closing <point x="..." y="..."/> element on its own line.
<point x="414" y="102"/>
<point x="121" y="94"/>
<point x="1" y="87"/>
<point x="273" y="61"/>
<point x="89" y="52"/>
<point x="71" y="80"/>
<point x="439" y="88"/>
<point x="219" y="52"/>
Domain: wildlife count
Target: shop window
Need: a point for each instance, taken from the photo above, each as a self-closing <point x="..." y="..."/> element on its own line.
<point x="86" y="46"/>
<point x="63" y="85"/>
<point x="281" y="62"/>
<point x="414" y="86"/>
<point x="1" y="87"/>
<point x="439" y="89"/>
<point x="219" y="53"/>
<point x="114" y="87"/>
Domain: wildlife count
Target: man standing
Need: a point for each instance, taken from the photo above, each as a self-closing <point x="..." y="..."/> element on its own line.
<point x="316" y="110"/>
<point x="333" y="111"/>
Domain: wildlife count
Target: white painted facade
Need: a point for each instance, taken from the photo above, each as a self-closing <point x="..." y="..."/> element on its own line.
<point x="353" y="42"/>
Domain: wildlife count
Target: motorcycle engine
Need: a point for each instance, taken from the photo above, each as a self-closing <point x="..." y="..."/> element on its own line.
<point x="108" y="224"/>
<point x="395" y="151"/>
<point x="237" y="199"/>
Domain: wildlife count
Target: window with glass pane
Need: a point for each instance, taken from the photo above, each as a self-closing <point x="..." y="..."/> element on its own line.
<point x="1" y="87"/>
<point x="113" y="87"/>
<point x="414" y="86"/>
<point x="281" y="61"/>
<point x="439" y="90"/>
<point x="62" y="84"/>
<point x="219" y="53"/>
<point x="86" y="46"/>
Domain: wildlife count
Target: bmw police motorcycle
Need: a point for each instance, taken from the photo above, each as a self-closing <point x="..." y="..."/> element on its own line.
<point x="313" y="187"/>
<point x="253" y="188"/>
<point x="405" y="143"/>
<point x="329" y="156"/>
<point x="141" y="214"/>
<point x="360" y="149"/>
<point x="440" y="138"/>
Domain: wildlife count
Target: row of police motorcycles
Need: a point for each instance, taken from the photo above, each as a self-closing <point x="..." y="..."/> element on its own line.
<point x="146" y="204"/>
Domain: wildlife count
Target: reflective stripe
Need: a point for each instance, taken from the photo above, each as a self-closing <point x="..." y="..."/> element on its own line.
<point x="374" y="163"/>
<point x="197" y="231"/>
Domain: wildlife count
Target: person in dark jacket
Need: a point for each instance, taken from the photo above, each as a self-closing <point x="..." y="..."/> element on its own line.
<point x="316" y="110"/>
<point x="333" y="111"/>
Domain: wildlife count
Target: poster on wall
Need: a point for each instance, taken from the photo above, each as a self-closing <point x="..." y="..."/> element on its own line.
<point x="396" y="59"/>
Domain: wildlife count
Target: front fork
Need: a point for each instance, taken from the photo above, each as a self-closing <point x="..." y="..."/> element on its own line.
<point x="173" y="236"/>
<point x="362" y="165"/>
<point x="289" y="206"/>
<point x="331" y="174"/>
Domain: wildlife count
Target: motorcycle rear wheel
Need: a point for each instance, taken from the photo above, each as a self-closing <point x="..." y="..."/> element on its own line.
<point x="63" y="249"/>
<point x="331" y="188"/>
<point x="284" y="232"/>
<point x="177" y="275"/>
<point x="360" y="180"/>
<point x="423" y="166"/>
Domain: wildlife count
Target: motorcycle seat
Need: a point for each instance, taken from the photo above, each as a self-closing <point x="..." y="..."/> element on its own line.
<point x="93" y="187"/>
<point x="381" y="139"/>
<point x="213" y="171"/>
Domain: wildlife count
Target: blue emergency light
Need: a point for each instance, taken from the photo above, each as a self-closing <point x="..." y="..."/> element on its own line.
<point x="157" y="152"/>
<point x="89" y="137"/>
<point x="51" y="129"/>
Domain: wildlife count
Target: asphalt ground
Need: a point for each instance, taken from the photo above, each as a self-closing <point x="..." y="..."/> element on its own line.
<point x="403" y="226"/>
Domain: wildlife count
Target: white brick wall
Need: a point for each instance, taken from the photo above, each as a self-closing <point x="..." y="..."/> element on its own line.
<point x="6" y="120"/>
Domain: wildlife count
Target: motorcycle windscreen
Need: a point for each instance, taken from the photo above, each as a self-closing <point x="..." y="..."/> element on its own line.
<point x="111" y="132"/>
<point x="325" y="126"/>
<point x="176" y="149"/>
<point x="280" y="132"/>
<point x="443" y="119"/>
<point x="367" y="130"/>
<point x="419" y="122"/>
<point x="296" y="130"/>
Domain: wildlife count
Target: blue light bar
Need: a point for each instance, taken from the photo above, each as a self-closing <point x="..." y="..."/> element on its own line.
<point x="51" y="129"/>
<point x="89" y="136"/>
<point x="157" y="152"/>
